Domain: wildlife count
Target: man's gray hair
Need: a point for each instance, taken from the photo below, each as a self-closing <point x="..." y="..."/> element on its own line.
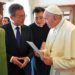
<point x="13" y="8"/>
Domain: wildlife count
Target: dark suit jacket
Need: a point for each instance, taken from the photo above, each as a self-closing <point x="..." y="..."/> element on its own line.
<point x="12" y="47"/>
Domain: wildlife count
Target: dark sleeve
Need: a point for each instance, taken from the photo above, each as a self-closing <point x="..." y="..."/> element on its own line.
<point x="31" y="50"/>
<point x="29" y="36"/>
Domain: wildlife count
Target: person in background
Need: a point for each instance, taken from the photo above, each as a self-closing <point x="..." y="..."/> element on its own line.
<point x="60" y="44"/>
<point x="3" y="61"/>
<point x="19" y="53"/>
<point x="40" y="30"/>
<point x="5" y="20"/>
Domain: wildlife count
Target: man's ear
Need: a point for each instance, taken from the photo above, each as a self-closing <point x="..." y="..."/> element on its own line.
<point x="12" y="18"/>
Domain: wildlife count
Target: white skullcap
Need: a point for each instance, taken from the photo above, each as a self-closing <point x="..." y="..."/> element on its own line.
<point x="54" y="10"/>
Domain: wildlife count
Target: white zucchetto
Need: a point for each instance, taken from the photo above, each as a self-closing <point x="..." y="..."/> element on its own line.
<point x="54" y="9"/>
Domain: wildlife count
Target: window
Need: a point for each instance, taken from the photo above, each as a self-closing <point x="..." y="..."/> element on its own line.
<point x="67" y="12"/>
<point x="67" y="15"/>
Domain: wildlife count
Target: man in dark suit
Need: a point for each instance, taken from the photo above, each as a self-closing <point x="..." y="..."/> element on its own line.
<point x="40" y="30"/>
<point x="19" y="53"/>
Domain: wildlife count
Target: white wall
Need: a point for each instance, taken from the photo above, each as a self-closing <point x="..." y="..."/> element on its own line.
<point x="58" y="2"/>
<point x="6" y="1"/>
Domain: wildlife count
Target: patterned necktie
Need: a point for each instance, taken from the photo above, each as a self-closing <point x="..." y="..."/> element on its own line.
<point x="18" y="36"/>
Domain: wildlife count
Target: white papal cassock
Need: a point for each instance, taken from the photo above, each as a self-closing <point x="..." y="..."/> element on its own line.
<point x="60" y="46"/>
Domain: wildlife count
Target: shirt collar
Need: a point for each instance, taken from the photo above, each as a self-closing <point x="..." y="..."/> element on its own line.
<point x="14" y="26"/>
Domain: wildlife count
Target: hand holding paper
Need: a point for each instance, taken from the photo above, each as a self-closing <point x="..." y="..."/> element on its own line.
<point x="36" y="54"/>
<point x="35" y="49"/>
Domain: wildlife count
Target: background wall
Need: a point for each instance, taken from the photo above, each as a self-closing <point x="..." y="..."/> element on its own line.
<point x="29" y="5"/>
<point x="66" y="5"/>
<point x="47" y="2"/>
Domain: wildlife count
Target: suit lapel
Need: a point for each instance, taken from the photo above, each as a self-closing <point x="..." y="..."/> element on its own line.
<point x="11" y="32"/>
<point x="11" y="35"/>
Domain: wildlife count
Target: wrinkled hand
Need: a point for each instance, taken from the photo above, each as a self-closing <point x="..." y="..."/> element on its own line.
<point x="16" y="61"/>
<point x="48" y="60"/>
<point x="26" y="60"/>
<point x="41" y="51"/>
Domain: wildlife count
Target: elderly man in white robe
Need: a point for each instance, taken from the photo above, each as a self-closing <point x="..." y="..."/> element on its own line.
<point x="60" y="44"/>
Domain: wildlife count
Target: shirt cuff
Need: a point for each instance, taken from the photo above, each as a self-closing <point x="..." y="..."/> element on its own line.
<point x="28" y="59"/>
<point x="11" y="59"/>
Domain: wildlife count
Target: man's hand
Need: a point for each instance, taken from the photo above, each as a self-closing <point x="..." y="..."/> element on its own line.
<point x="48" y="60"/>
<point x="26" y="60"/>
<point x="41" y="51"/>
<point x="36" y="54"/>
<point x="16" y="61"/>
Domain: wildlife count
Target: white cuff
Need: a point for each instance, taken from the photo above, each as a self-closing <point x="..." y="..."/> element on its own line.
<point x="28" y="59"/>
<point x="11" y="59"/>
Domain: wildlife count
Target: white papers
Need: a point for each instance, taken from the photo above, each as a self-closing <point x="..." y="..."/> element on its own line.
<point x="35" y="49"/>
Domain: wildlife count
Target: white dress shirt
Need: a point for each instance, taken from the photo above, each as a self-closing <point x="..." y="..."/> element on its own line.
<point x="14" y="28"/>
